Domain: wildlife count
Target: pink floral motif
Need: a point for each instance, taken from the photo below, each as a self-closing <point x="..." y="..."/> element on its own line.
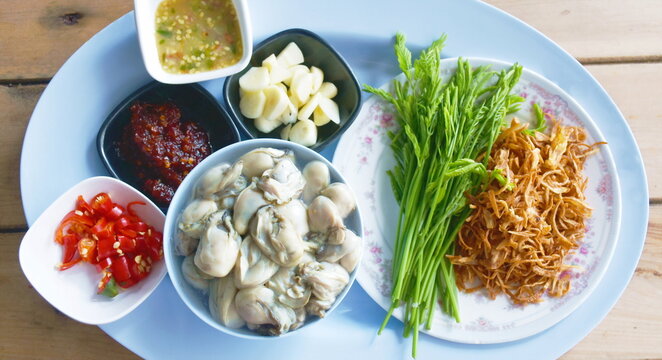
<point x="387" y="120"/>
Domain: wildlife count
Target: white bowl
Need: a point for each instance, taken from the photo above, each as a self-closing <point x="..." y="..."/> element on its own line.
<point x="74" y="291"/>
<point x="145" y="11"/>
<point x="194" y="298"/>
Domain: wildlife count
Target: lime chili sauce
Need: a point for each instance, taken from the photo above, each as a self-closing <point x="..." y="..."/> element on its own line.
<point x="197" y="35"/>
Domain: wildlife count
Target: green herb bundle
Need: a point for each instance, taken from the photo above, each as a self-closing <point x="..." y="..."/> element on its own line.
<point x="444" y="127"/>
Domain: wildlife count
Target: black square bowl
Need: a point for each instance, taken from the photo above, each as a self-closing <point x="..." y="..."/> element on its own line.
<point x="316" y="52"/>
<point x="196" y="105"/>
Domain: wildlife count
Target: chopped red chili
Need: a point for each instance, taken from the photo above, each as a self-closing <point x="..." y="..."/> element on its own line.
<point x="161" y="148"/>
<point x="116" y="241"/>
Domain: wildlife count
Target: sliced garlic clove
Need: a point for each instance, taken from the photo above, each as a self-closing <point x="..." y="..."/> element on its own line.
<point x="304" y="132"/>
<point x="289" y="115"/>
<point x="319" y="117"/>
<point x="265" y="125"/>
<point x="306" y="111"/>
<point x="328" y="90"/>
<point x="275" y="103"/>
<point x="293" y="99"/>
<point x="330" y="109"/>
<point x="302" y="85"/>
<point x="255" y="79"/>
<point x="293" y="71"/>
<point x="277" y="72"/>
<point x="282" y="87"/>
<point x="285" y="133"/>
<point x="270" y="62"/>
<point x="318" y="78"/>
<point x="291" y="55"/>
<point x="251" y="104"/>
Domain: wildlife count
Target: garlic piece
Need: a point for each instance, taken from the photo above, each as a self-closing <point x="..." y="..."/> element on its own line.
<point x="252" y="103"/>
<point x="328" y="90"/>
<point x="255" y="79"/>
<point x="302" y="86"/>
<point x="266" y="126"/>
<point x="330" y="109"/>
<point x="289" y="115"/>
<point x="306" y="111"/>
<point x="318" y="78"/>
<point x="276" y="102"/>
<point x="290" y="55"/>
<point x="319" y="117"/>
<point x="285" y="133"/>
<point x="304" y="132"/>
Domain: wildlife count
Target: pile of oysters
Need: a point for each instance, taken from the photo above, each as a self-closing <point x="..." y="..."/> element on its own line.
<point x="267" y="241"/>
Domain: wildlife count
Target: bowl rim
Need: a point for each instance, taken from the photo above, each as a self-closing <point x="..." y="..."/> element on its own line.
<point x="239" y="119"/>
<point x="70" y="194"/>
<point x="113" y="115"/>
<point x="171" y="224"/>
<point x="148" y="44"/>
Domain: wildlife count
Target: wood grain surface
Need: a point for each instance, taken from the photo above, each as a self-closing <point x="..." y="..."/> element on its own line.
<point x="619" y="41"/>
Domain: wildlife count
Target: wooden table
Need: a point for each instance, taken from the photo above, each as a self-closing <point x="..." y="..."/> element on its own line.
<point x="619" y="42"/>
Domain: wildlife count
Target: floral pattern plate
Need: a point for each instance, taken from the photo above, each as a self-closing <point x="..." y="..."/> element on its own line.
<point x="363" y="157"/>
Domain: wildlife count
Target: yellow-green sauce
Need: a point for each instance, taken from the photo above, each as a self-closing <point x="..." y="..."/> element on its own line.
<point x="197" y="35"/>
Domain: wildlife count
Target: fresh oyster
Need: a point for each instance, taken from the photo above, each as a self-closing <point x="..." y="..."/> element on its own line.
<point x="194" y="276"/>
<point x="340" y="243"/>
<point x="222" y="304"/>
<point x="276" y="237"/>
<point x="323" y="215"/>
<point x="282" y="183"/>
<point x="219" y="246"/>
<point x="317" y="178"/>
<point x="327" y="281"/>
<point x="253" y="267"/>
<point x="247" y="203"/>
<point x="258" y="306"/>
<point x="289" y="288"/>
<point x="257" y="161"/>
<point x="295" y="212"/>
<point x="194" y="218"/>
<point x="342" y="196"/>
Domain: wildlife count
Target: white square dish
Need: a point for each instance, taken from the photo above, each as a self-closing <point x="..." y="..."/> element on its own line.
<point x="74" y="291"/>
<point x="145" y="11"/>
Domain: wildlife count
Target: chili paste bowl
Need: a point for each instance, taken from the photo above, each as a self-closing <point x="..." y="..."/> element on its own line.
<point x="195" y="299"/>
<point x="74" y="291"/>
<point x="196" y="104"/>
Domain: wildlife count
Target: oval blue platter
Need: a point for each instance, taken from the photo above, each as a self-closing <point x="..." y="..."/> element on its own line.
<point x="109" y="67"/>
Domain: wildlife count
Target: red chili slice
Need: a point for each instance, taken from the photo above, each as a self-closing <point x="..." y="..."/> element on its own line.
<point x="112" y="238"/>
<point x="69" y="241"/>
<point x="120" y="269"/>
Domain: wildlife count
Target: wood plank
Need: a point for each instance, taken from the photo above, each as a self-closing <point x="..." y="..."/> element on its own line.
<point x="635" y="89"/>
<point x="42" y="35"/>
<point x="595" y="31"/>
<point x="16" y="103"/>
<point x="631" y="331"/>
<point x="33" y="329"/>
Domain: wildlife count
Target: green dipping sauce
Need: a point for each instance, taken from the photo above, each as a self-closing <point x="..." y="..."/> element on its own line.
<point x="197" y="35"/>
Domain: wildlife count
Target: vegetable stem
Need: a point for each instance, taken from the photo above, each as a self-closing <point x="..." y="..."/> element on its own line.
<point x="444" y="126"/>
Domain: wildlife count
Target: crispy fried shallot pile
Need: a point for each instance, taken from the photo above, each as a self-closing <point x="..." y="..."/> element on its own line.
<point x="515" y="240"/>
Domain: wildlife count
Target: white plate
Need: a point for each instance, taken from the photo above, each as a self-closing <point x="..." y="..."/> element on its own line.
<point x="364" y="155"/>
<point x="74" y="291"/>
